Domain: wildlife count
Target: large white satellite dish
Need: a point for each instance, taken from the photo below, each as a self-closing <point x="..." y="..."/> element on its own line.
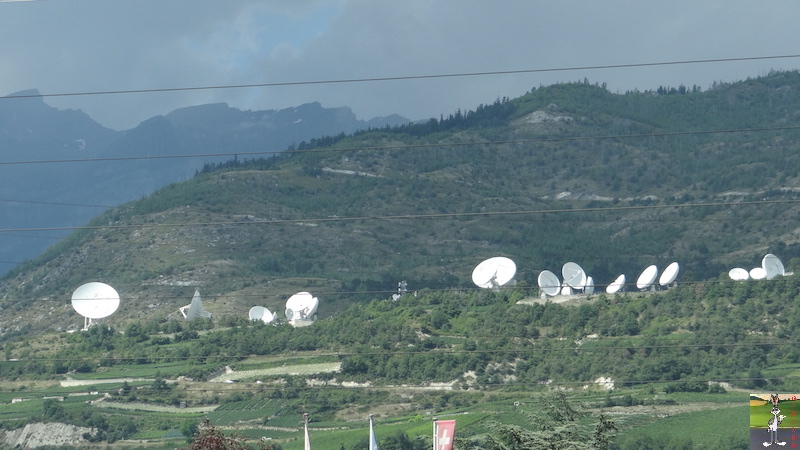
<point x="616" y="285"/>
<point x="669" y="274"/>
<point x="647" y="278"/>
<point x="574" y="276"/>
<point x="589" y="289"/>
<point x="261" y="313"/>
<point x="257" y="312"/>
<point x="739" y="274"/>
<point x="758" y="273"/>
<point x="95" y="300"/>
<point x="494" y="272"/>
<point x="301" y="306"/>
<point x="549" y="283"/>
<point x="194" y="310"/>
<point x="772" y="266"/>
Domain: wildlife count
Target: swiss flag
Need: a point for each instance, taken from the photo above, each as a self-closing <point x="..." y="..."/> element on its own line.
<point x="443" y="433"/>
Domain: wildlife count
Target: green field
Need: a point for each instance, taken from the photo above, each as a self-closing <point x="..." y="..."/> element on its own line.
<point x="720" y="428"/>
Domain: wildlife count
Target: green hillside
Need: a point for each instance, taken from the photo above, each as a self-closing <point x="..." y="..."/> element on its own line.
<point x="615" y="182"/>
<point x="568" y="172"/>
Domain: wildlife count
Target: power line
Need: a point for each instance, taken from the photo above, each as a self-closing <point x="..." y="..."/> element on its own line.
<point x="404" y="78"/>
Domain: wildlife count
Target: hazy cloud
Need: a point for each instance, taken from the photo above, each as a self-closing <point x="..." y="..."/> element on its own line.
<point x="93" y="45"/>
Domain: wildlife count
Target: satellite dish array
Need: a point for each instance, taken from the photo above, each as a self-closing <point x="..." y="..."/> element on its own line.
<point x="498" y="271"/>
<point x="771" y="267"/>
<point x="300" y="310"/>
<point x="576" y="280"/>
<point x="97" y="300"/>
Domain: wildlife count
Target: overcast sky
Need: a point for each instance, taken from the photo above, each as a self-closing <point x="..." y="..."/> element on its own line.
<point x="74" y="46"/>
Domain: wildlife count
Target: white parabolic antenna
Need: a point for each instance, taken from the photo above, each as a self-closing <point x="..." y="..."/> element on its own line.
<point x="494" y="272"/>
<point x="739" y="274"/>
<point x="573" y="275"/>
<point x="772" y="266"/>
<point x="669" y="274"/>
<point x="194" y="310"/>
<point x="95" y="300"/>
<point x="549" y="283"/>
<point x="301" y="306"/>
<point x="257" y="312"/>
<point x="758" y="273"/>
<point x="589" y="289"/>
<point x="647" y="277"/>
<point x="617" y="285"/>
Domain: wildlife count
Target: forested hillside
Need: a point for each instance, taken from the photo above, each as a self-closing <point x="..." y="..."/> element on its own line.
<point x="615" y="182"/>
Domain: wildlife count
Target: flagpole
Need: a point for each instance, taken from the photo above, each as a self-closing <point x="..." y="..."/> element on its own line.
<point x="373" y="441"/>
<point x="308" y="440"/>
<point x="434" y="434"/>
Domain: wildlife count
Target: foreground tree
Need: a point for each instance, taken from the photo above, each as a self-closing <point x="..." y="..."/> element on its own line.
<point x="208" y="437"/>
<point x="557" y="426"/>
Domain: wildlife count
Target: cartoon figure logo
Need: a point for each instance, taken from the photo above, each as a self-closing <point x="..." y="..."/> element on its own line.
<point x="774" y="421"/>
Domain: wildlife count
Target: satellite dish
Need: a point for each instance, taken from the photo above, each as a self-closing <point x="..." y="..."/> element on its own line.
<point x="647" y="278"/>
<point x="257" y="313"/>
<point x="549" y="283"/>
<point x="494" y="272"/>
<point x="772" y="266"/>
<point x="617" y="285"/>
<point x="758" y="273"/>
<point x="589" y="289"/>
<point x="669" y="274"/>
<point x="302" y="306"/>
<point x="566" y="290"/>
<point x="95" y="301"/>
<point x="574" y="276"/>
<point x="739" y="274"/>
<point x="194" y="310"/>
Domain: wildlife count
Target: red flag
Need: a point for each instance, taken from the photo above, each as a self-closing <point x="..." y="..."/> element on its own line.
<point x="443" y="433"/>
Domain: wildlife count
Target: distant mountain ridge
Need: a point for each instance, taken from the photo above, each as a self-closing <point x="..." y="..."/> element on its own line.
<point x="31" y="130"/>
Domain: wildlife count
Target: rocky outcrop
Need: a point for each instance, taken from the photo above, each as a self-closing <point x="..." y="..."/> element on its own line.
<point x="34" y="435"/>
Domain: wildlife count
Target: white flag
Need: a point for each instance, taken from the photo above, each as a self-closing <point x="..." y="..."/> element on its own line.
<point x="373" y="442"/>
<point x="308" y="440"/>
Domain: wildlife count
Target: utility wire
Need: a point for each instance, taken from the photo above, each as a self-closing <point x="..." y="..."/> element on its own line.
<point x="403" y="78"/>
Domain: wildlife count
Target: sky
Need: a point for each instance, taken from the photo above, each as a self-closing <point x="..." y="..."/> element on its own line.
<point x="90" y="46"/>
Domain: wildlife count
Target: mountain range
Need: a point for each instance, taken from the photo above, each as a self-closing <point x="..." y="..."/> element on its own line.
<point x="569" y="172"/>
<point x="61" y="168"/>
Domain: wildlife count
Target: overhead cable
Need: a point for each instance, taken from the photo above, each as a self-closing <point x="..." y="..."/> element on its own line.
<point x="403" y="78"/>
